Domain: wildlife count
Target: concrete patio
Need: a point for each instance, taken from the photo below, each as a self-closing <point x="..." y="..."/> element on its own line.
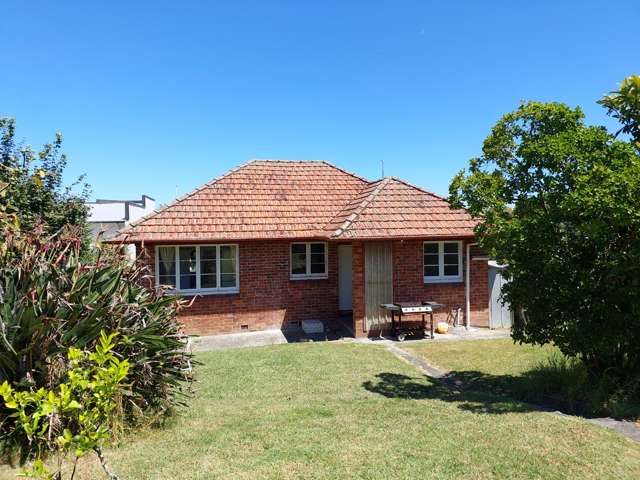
<point x="332" y="333"/>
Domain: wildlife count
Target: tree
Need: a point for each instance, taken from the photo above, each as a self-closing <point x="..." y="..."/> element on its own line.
<point x="32" y="183"/>
<point x="559" y="204"/>
<point x="624" y="105"/>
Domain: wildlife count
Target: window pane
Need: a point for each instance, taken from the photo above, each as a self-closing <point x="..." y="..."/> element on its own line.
<point x="167" y="261"/>
<point x="431" y="271"/>
<point x="317" y="268"/>
<point x="451" y="247"/>
<point x="298" y="264"/>
<point x="208" y="281"/>
<point x="431" y="248"/>
<point x="187" y="257"/>
<point x="207" y="253"/>
<point x="228" y="252"/>
<point x="227" y="266"/>
<point x="188" y="281"/>
<point x="298" y="258"/>
<point x="167" y="280"/>
<point x="317" y="248"/>
<point x="298" y="248"/>
<point x="451" y="270"/>
<point x="227" y="280"/>
<point x="187" y="260"/>
<point x="451" y="259"/>
<point x="317" y="258"/>
<point x="431" y="259"/>
<point x="207" y="266"/>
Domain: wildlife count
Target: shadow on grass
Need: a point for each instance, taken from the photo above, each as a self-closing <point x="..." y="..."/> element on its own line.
<point x="394" y="385"/>
<point x="553" y="386"/>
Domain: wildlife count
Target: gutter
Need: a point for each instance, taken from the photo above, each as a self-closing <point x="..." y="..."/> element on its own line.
<point x="467" y="287"/>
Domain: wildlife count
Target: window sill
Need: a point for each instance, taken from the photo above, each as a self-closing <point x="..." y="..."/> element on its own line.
<point x="203" y="293"/>
<point x="442" y="280"/>
<point x="308" y="277"/>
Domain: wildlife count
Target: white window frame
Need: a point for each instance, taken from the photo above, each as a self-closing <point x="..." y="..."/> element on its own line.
<point x="200" y="291"/>
<point x="442" y="278"/>
<point x="308" y="275"/>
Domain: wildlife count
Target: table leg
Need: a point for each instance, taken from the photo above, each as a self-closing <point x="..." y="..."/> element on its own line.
<point x="431" y="317"/>
<point x="393" y="323"/>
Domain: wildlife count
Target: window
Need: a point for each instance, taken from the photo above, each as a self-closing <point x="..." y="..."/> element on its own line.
<point x="308" y="260"/>
<point x="198" y="268"/>
<point x="442" y="262"/>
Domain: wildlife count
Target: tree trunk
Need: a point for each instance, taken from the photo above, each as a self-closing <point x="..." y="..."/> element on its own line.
<point x="105" y="467"/>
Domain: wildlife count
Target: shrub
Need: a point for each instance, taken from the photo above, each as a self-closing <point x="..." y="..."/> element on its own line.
<point x="76" y="415"/>
<point x="51" y="301"/>
<point x="566" y="384"/>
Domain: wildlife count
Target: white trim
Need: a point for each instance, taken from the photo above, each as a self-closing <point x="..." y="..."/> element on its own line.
<point x="308" y="275"/>
<point x="442" y="278"/>
<point x="198" y="290"/>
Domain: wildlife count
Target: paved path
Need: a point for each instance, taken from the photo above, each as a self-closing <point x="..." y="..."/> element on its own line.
<point x="625" y="428"/>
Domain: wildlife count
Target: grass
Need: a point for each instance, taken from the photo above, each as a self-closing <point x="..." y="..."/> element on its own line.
<point x="531" y="373"/>
<point x="346" y="410"/>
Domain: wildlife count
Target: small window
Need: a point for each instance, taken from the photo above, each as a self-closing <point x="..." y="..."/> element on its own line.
<point x="308" y="260"/>
<point x="198" y="268"/>
<point x="442" y="262"/>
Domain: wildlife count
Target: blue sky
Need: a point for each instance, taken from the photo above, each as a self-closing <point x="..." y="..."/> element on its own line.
<point x="150" y="95"/>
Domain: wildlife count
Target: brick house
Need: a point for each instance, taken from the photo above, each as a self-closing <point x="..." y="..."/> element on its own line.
<point x="273" y="242"/>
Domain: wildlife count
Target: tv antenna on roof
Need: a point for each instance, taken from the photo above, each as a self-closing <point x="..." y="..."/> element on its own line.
<point x="382" y="168"/>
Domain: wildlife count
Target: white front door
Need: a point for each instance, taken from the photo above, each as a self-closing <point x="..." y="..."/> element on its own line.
<point x="344" y="277"/>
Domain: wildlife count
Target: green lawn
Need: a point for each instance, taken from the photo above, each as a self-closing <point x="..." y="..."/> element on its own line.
<point x="345" y="410"/>
<point x="536" y="374"/>
<point x="495" y="357"/>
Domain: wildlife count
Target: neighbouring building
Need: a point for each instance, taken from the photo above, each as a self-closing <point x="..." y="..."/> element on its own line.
<point x="272" y="243"/>
<point x="110" y="216"/>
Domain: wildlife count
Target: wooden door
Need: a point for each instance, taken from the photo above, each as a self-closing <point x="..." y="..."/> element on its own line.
<point x="378" y="283"/>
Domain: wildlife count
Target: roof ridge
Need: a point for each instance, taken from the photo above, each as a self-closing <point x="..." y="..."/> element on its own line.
<point x="326" y="162"/>
<point x="183" y="197"/>
<point x="364" y="204"/>
<point x="346" y="171"/>
<point x="420" y="188"/>
<point x="284" y="160"/>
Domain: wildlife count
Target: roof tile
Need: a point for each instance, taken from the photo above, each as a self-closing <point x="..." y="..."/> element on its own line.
<point x="271" y="199"/>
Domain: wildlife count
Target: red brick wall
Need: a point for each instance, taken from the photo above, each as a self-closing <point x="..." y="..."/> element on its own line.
<point x="408" y="285"/>
<point x="268" y="298"/>
<point x="357" y="289"/>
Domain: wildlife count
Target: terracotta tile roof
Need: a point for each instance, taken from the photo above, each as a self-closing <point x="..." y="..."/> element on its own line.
<point x="260" y="199"/>
<point x="272" y="199"/>
<point x="392" y="208"/>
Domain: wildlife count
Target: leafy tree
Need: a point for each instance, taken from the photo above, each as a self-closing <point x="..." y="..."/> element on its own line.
<point x="559" y="205"/>
<point x="624" y="105"/>
<point x="32" y="184"/>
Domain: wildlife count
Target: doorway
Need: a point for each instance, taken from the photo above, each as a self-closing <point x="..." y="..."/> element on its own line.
<point x="378" y="283"/>
<point x="500" y="314"/>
